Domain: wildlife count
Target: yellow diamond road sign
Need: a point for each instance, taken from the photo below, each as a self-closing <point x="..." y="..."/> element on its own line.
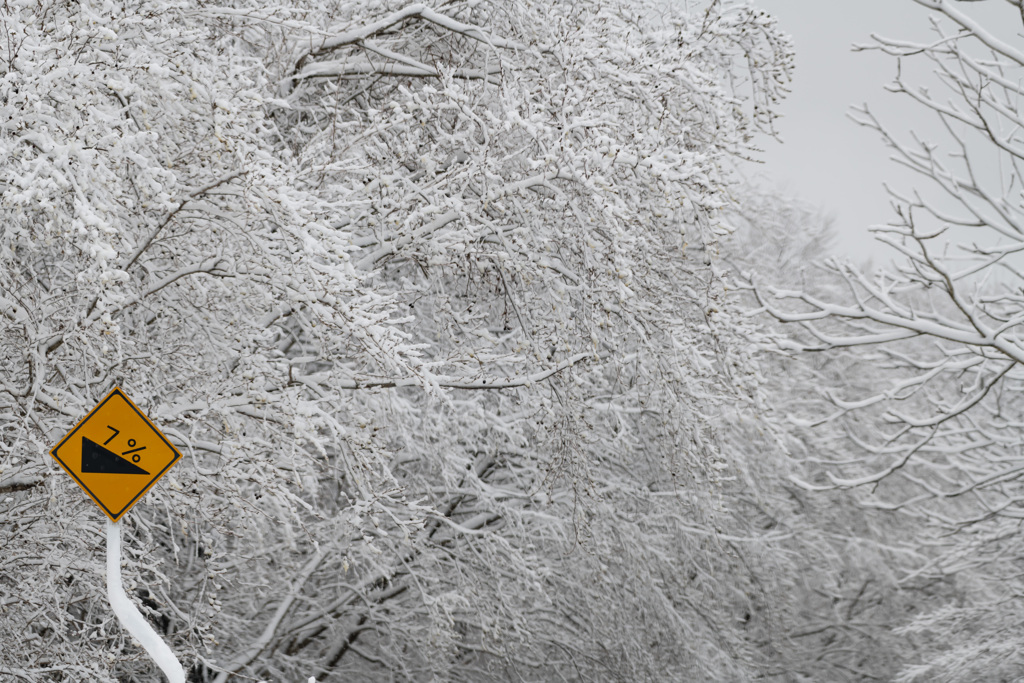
<point x="115" y="454"/>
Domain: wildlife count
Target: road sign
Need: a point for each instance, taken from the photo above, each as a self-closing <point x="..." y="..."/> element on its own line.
<point x="115" y="454"/>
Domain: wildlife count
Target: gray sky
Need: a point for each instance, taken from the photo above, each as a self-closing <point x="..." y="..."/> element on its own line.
<point x="826" y="159"/>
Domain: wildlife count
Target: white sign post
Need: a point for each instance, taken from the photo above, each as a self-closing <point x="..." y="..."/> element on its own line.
<point x="129" y="615"/>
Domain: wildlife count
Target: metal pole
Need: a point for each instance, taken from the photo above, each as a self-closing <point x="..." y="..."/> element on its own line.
<point x="129" y="615"/>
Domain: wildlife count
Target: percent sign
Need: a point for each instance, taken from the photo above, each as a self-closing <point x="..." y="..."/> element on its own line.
<point x="131" y="445"/>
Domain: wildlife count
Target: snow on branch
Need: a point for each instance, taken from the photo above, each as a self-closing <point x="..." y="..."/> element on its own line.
<point x="414" y="11"/>
<point x="462" y="383"/>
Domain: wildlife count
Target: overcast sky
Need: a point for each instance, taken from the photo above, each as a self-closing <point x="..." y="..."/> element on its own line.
<point x="826" y="159"/>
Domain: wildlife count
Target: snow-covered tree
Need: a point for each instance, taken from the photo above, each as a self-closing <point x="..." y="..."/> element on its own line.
<point x="426" y="295"/>
<point x="852" y="585"/>
<point x="939" y="435"/>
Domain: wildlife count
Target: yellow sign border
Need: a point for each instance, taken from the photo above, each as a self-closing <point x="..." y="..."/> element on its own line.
<point x="115" y="516"/>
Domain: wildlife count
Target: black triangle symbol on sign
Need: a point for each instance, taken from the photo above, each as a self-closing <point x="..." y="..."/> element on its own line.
<point x="98" y="460"/>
